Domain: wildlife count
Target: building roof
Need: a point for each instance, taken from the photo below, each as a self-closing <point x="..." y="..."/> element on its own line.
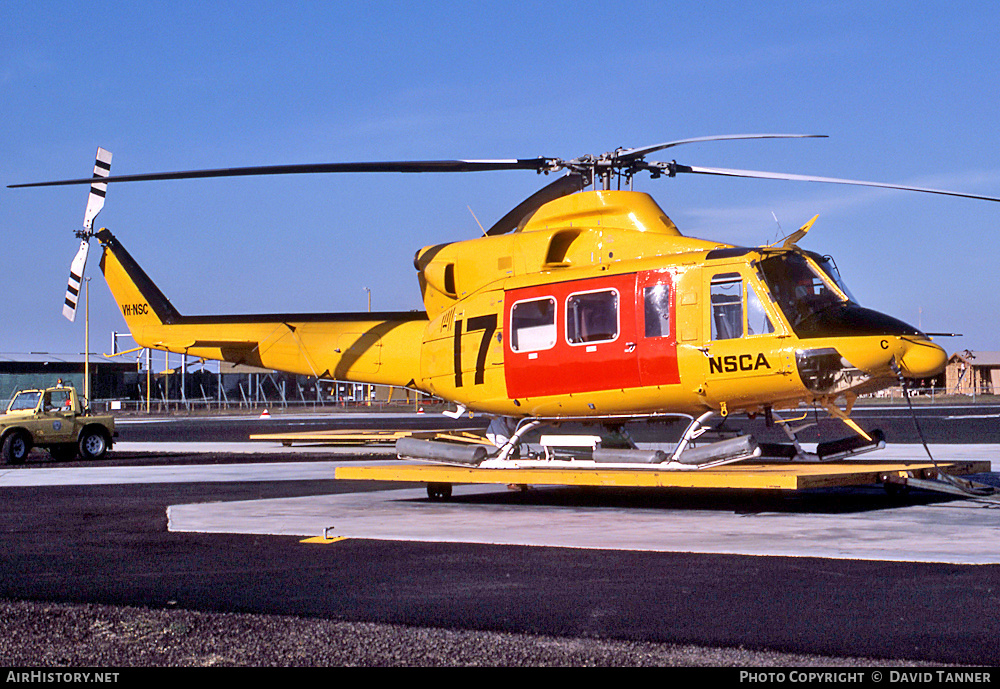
<point x="977" y="358"/>
<point x="40" y="357"/>
<point x="55" y="358"/>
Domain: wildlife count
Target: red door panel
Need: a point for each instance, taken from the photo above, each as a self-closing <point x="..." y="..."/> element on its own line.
<point x="581" y="346"/>
<point x="656" y="347"/>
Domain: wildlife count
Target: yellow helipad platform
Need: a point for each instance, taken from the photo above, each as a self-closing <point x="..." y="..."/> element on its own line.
<point x="738" y="476"/>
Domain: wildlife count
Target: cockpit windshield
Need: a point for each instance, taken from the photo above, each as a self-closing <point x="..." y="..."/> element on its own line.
<point x="829" y="267"/>
<point x="809" y="292"/>
<point x="800" y="291"/>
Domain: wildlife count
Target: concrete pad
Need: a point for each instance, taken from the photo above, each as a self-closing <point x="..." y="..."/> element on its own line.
<point x="197" y="473"/>
<point x="959" y="532"/>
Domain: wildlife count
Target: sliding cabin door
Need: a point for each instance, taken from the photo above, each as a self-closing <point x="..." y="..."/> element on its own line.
<point x="569" y="337"/>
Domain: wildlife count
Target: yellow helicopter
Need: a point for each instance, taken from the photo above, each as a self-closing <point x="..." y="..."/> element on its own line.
<point x="581" y="304"/>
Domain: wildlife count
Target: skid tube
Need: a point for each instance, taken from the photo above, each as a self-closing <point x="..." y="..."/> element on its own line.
<point x="684" y="457"/>
<point x="688" y="454"/>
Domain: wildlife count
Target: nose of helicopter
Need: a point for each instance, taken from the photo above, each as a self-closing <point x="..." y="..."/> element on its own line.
<point x="921" y="358"/>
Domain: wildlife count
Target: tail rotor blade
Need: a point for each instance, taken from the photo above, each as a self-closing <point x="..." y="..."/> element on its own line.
<point x="95" y="202"/>
<point x="76" y="270"/>
<point x="102" y="168"/>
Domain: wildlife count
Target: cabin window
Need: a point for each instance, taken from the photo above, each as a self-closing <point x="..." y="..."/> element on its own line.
<point x="727" y="306"/>
<point x="757" y="321"/>
<point x="656" y="300"/>
<point x="592" y="317"/>
<point x="57" y="400"/>
<point x="533" y="325"/>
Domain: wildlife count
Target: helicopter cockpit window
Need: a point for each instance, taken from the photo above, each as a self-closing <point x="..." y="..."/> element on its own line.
<point x="533" y="325"/>
<point x="657" y="310"/>
<point x="800" y="290"/>
<point x="592" y="317"/>
<point x="727" y="306"/>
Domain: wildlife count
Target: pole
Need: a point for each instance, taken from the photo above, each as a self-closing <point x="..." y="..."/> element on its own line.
<point x="86" y="346"/>
<point x="369" y="388"/>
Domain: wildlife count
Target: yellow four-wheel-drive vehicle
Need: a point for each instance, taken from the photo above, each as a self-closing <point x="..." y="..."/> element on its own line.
<point x="57" y="420"/>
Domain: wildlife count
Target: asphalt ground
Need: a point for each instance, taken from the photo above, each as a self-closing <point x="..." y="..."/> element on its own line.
<point x="91" y="576"/>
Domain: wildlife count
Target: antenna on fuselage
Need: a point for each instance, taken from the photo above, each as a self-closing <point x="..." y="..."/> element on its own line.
<point x="481" y="228"/>
<point x="777" y="235"/>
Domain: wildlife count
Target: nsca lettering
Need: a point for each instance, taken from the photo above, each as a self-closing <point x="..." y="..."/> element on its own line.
<point x="737" y="362"/>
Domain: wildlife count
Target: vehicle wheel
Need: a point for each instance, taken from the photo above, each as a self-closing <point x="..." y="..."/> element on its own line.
<point x="439" y="492"/>
<point x="93" y="444"/>
<point x="15" y="448"/>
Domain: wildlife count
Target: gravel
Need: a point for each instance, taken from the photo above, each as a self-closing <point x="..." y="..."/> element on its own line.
<point x="40" y="634"/>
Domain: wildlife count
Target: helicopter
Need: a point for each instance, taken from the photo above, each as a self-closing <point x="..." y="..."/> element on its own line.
<point x="584" y="303"/>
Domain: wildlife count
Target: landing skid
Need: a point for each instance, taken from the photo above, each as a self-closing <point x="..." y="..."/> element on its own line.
<point x="829" y="451"/>
<point x="691" y="453"/>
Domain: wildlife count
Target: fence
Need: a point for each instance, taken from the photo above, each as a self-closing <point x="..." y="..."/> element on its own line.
<point x="935" y="393"/>
<point x="338" y="396"/>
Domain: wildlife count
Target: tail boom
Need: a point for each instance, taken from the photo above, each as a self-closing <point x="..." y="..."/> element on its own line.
<point x="379" y="348"/>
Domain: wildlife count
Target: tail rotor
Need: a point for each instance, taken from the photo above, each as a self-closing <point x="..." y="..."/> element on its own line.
<point x="102" y="168"/>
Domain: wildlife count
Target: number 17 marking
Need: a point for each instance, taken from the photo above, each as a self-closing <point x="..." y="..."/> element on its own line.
<point x="488" y="324"/>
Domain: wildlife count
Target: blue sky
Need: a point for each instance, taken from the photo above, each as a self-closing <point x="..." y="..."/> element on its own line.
<point x="907" y="94"/>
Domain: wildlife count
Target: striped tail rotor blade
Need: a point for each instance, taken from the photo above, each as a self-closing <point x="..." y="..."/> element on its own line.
<point x="75" y="281"/>
<point x="102" y="168"/>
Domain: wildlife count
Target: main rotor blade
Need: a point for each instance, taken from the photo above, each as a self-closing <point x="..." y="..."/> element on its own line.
<point x="636" y="153"/>
<point x="565" y="185"/>
<point x="756" y="174"/>
<point x="537" y="164"/>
